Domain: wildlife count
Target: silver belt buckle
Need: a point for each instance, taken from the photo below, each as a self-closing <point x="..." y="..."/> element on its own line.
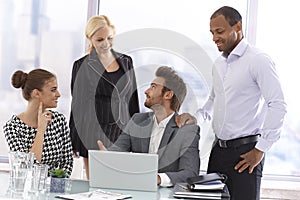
<point x="222" y="143"/>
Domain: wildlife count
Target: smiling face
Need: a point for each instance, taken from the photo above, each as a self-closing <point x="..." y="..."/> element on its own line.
<point x="154" y="94"/>
<point x="49" y="94"/>
<point x="225" y="36"/>
<point x="102" y="40"/>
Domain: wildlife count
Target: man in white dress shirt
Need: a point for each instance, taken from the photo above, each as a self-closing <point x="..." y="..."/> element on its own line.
<point x="247" y="104"/>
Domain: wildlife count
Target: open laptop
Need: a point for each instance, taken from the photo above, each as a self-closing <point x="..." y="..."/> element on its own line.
<point x="123" y="170"/>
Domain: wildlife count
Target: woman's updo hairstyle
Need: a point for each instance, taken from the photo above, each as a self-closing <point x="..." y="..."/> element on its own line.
<point x="35" y="79"/>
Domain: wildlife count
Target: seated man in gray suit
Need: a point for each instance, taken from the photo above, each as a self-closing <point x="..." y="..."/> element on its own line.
<point x="157" y="132"/>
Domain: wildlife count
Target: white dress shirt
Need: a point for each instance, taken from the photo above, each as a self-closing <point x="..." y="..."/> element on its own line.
<point x="156" y="136"/>
<point x="246" y="96"/>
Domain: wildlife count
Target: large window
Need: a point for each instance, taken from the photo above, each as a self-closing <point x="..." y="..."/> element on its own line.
<point x="277" y="33"/>
<point x="34" y="34"/>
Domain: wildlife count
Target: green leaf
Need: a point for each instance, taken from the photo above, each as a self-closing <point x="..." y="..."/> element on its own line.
<point x="58" y="173"/>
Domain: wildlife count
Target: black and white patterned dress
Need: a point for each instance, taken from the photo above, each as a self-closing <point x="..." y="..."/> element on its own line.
<point x="57" y="150"/>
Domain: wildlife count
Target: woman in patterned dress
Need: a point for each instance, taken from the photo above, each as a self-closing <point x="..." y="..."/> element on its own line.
<point x="38" y="129"/>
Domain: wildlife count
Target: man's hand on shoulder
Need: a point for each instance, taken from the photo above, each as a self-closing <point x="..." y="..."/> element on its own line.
<point x="185" y="118"/>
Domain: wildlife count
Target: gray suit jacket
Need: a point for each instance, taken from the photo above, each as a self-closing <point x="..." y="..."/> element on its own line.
<point x="178" y="151"/>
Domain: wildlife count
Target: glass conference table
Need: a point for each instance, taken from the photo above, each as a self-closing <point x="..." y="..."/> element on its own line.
<point x="77" y="186"/>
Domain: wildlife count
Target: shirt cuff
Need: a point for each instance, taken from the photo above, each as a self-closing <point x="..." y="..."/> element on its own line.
<point x="202" y="116"/>
<point x="263" y="145"/>
<point x="165" y="181"/>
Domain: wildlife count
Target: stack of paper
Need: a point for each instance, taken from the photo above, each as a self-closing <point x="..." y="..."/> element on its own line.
<point x="95" y="195"/>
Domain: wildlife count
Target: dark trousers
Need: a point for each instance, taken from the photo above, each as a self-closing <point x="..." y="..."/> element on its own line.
<point x="242" y="186"/>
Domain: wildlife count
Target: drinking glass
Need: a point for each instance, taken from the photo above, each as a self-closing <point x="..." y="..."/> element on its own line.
<point x="20" y="164"/>
<point x="39" y="177"/>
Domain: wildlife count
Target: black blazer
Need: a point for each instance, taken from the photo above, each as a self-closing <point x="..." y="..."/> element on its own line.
<point x="94" y="96"/>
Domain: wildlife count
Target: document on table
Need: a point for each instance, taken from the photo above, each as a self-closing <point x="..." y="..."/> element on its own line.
<point x="93" y="195"/>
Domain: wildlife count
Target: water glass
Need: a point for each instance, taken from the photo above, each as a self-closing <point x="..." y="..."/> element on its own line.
<point x="39" y="177"/>
<point x="19" y="177"/>
<point x="20" y="164"/>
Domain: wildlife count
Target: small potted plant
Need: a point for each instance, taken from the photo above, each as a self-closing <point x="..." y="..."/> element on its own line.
<point x="58" y="180"/>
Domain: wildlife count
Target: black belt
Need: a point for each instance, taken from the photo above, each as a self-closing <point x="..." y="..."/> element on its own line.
<point x="238" y="141"/>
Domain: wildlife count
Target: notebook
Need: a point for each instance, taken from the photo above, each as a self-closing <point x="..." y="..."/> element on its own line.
<point x="181" y="190"/>
<point x="123" y="170"/>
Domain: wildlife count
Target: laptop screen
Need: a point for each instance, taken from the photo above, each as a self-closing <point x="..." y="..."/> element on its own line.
<point x="123" y="170"/>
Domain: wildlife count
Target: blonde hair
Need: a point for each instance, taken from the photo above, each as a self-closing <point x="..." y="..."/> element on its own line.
<point x="93" y="25"/>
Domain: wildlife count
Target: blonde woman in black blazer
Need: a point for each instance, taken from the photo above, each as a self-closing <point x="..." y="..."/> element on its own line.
<point x="103" y="87"/>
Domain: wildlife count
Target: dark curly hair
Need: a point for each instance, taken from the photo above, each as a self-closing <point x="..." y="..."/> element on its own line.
<point x="231" y="15"/>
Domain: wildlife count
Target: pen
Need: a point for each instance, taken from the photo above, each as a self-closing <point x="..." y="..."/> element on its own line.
<point x="89" y="195"/>
<point x="183" y="187"/>
<point x="59" y="197"/>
